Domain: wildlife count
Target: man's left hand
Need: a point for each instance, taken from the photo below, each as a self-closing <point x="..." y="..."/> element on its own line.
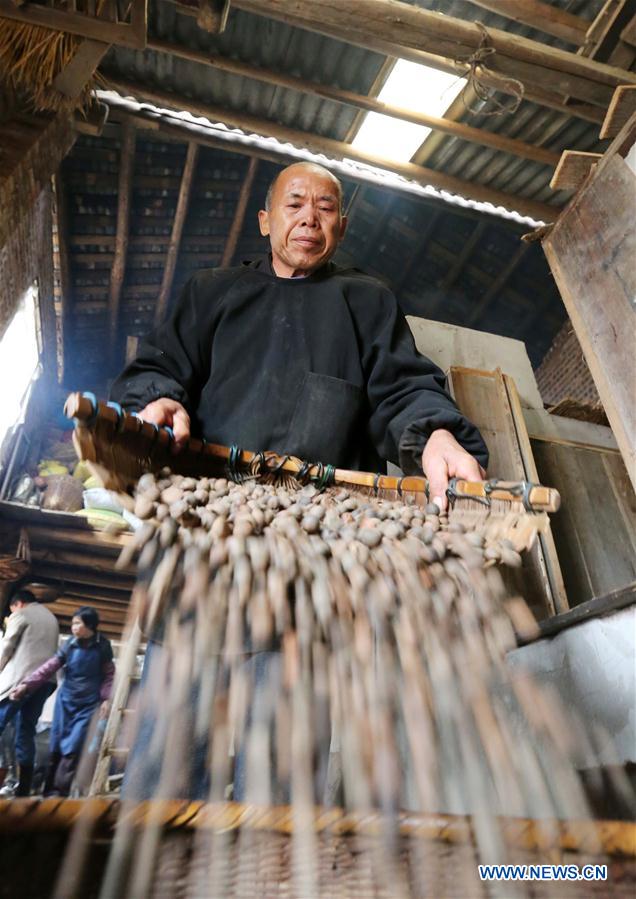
<point x="443" y="458"/>
<point x="104" y="709"/>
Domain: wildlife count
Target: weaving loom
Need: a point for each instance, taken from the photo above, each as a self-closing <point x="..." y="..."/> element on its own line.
<point x="382" y="626"/>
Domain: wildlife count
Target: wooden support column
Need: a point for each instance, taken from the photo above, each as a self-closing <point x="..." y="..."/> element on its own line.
<point x="591" y="251"/>
<point x="543" y="16"/>
<point x="177" y="231"/>
<point x="239" y="214"/>
<point x="338" y="150"/>
<point x="126" y="164"/>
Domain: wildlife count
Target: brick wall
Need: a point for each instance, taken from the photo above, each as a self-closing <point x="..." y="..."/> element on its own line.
<point x="564" y="372"/>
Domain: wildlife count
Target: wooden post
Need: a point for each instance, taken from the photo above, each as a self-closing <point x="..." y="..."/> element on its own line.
<point x="126" y="164"/>
<point x="177" y="230"/>
<point x="340" y="150"/>
<point x="239" y="214"/>
<point x="591" y="251"/>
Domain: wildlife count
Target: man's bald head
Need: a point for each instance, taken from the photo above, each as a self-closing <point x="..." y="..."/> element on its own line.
<point x="303" y="219"/>
<point x="306" y="166"/>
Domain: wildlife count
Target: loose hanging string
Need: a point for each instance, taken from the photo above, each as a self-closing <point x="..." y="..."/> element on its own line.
<point x="476" y="62"/>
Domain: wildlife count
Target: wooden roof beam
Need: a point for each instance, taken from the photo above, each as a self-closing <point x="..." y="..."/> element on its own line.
<point x="66" y="293"/>
<point x="127" y="159"/>
<point x="177" y="230"/>
<point x="368" y="104"/>
<point x="497" y="285"/>
<point x="339" y="150"/>
<point x="542" y="16"/>
<point x="467" y="251"/>
<point x="419" y="251"/>
<point x="406" y="27"/>
<point x="239" y="214"/>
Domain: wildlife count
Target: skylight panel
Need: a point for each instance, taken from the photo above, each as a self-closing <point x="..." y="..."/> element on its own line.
<point x="410" y="86"/>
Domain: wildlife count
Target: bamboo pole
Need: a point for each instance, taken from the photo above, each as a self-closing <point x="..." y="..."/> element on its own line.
<point x="614" y="838"/>
<point x="370" y="104"/>
<point x="339" y="150"/>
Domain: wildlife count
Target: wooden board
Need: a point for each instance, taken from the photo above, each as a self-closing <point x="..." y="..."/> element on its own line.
<point x="483" y="397"/>
<point x="595" y="528"/>
<point x="591" y="251"/>
<point x="573" y="168"/>
<point x="620" y="110"/>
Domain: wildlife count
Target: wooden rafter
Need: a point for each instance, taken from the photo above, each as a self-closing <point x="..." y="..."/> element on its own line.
<point x="419" y="251"/>
<point x="130" y="33"/>
<point x="177" y="230"/>
<point x="539" y="15"/>
<point x="359" y="101"/>
<point x="127" y="159"/>
<point x="339" y="150"/>
<point x="408" y="27"/>
<point x="80" y="69"/>
<point x="66" y="293"/>
<point x="497" y="285"/>
<point x="239" y="213"/>
<point x="606" y="28"/>
<point x="467" y="251"/>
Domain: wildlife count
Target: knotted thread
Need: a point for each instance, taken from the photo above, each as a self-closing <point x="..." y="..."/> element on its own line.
<point x="485" y="92"/>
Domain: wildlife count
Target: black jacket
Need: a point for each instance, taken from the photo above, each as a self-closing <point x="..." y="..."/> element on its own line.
<point x="323" y="367"/>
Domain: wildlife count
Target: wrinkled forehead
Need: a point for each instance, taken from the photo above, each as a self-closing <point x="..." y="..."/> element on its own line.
<point x="307" y="184"/>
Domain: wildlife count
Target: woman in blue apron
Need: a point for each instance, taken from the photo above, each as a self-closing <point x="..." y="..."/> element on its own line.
<point x="87" y="659"/>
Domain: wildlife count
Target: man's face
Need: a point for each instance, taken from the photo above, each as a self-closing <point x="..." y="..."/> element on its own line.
<point x="304" y="222"/>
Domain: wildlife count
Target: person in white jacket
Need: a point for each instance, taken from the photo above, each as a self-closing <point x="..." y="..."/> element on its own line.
<point x="31" y="638"/>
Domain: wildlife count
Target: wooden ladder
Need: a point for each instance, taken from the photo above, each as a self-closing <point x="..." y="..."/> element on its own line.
<point x="124" y="678"/>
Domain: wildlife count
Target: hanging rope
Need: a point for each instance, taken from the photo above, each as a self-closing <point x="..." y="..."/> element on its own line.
<point x="485" y="92"/>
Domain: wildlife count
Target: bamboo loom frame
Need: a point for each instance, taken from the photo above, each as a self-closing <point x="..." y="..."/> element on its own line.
<point x="194" y="458"/>
<point x="613" y="838"/>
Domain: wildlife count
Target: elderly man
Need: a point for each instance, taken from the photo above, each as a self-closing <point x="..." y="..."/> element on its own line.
<point x="291" y="353"/>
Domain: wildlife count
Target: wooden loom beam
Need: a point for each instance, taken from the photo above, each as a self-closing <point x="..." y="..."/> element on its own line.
<point x="126" y="165"/>
<point x="338" y="150"/>
<point x="359" y="101"/>
<point x="177" y="231"/>
<point x="239" y="214"/>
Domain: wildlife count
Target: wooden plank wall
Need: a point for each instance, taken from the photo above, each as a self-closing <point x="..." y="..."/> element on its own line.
<point x="591" y="251"/>
<point x="595" y="528"/>
<point x="484" y="397"/>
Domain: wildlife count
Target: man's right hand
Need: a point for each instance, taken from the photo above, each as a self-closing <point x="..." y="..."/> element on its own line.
<point x="168" y="412"/>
